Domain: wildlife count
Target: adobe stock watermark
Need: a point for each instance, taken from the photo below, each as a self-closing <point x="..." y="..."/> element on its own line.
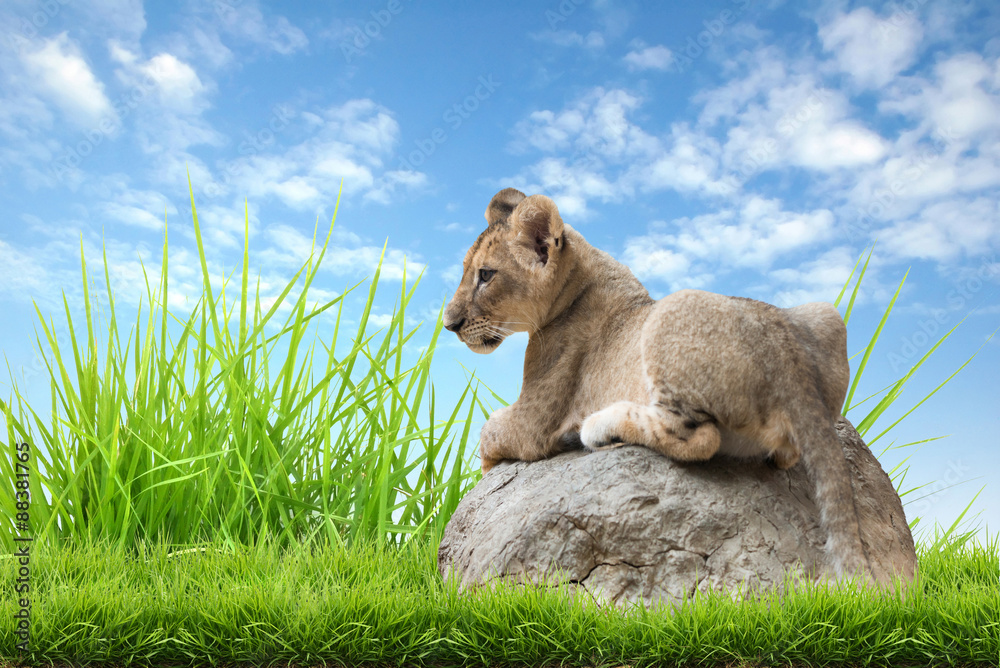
<point x="371" y="29"/>
<point x="714" y="28"/>
<point x="30" y="25"/>
<point x="252" y="144"/>
<point x="107" y="126"/>
<point x="754" y="160"/>
<point x="902" y="12"/>
<point x="455" y="116"/>
<point x="39" y="366"/>
<point x="882" y="199"/>
<point x="562" y="12"/>
<point x="933" y="492"/>
<point x="21" y="460"/>
<point x="934" y="327"/>
<point x="226" y="9"/>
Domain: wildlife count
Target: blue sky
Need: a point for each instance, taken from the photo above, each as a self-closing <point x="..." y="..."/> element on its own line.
<point x="744" y="147"/>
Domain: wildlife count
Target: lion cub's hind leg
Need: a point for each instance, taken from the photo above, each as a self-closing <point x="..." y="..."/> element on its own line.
<point x="773" y="438"/>
<point x="785" y="459"/>
<point x="656" y="427"/>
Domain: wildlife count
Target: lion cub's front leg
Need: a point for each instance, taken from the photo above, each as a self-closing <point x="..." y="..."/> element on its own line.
<point x="517" y="432"/>
<point x="656" y="427"/>
<point x="495" y="437"/>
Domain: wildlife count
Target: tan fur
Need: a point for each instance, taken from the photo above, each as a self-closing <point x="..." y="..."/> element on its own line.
<point x="690" y="375"/>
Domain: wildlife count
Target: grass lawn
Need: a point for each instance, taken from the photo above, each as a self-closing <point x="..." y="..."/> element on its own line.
<point x="368" y="605"/>
<point x="223" y="488"/>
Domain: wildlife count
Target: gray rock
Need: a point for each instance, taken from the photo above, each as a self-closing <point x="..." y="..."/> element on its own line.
<point x="630" y="525"/>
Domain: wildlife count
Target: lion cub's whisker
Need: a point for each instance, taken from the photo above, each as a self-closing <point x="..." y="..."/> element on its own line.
<point x="498" y="330"/>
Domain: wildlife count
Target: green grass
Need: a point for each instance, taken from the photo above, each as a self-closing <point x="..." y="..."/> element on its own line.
<point x="229" y="423"/>
<point x="365" y="604"/>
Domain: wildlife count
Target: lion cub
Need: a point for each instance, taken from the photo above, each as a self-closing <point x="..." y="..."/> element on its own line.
<point x="690" y="375"/>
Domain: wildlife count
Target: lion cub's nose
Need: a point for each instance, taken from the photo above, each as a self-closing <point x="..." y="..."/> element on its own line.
<point x="455" y="326"/>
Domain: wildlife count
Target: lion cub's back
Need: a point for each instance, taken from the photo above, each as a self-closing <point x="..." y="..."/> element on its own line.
<point x="828" y="349"/>
<point x="744" y="347"/>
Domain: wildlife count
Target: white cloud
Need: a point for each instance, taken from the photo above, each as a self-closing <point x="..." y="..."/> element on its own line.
<point x="872" y="50"/>
<point x="49" y="270"/>
<point x="655" y="261"/>
<point x="608" y="132"/>
<point x="43" y="272"/>
<point x="21" y="273"/>
<point x="363" y="123"/>
<point x="754" y="235"/>
<point x="455" y="227"/>
<point x="167" y="135"/>
<point x="380" y="320"/>
<point x="569" y="184"/>
<point x="452" y="275"/>
<point x="25" y="123"/>
<point x="546" y="131"/>
<point x="689" y="163"/>
<point x="170" y="170"/>
<point x="120" y="53"/>
<point x="246" y="21"/>
<point x="296" y="191"/>
<point x="131" y="214"/>
<point x="920" y="171"/>
<point x="690" y="252"/>
<point x="120" y="19"/>
<point x="349" y="142"/>
<point x="774" y="122"/>
<point x="598" y="136"/>
<point x="119" y="202"/>
<point x="818" y="279"/>
<point x="393" y="181"/>
<point x="570" y="38"/>
<point x="753" y="74"/>
<point x="649" y="58"/>
<point x="204" y="44"/>
<point x="218" y="31"/>
<point x="225" y="225"/>
<point x="774" y="115"/>
<point x="776" y="118"/>
<point x="951" y="147"/>
<point x="947" y="230"/>
<point x="167" y="98"/>
<point x="178" y="85"/>
<point x="843" y="143"/>
<point x="290" y="249"/>
<point x="962" y="99"/>
<point x="597" y="123"/>
<point x="63" y="76"/>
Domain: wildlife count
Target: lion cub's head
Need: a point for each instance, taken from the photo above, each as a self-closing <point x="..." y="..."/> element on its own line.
<point x="510" y="275"/>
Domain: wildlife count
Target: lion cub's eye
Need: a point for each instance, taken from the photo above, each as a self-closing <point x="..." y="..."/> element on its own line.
<point x="486" y="274"/>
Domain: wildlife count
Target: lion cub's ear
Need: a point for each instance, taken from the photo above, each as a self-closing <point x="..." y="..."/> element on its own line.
<point x="538" y="225"/>
<point x="502" y="205"/>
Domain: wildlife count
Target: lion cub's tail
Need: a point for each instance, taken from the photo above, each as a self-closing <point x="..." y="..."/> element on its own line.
<point x="828" y="469"/>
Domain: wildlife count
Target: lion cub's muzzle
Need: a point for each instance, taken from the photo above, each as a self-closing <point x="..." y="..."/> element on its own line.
<point x="481" y="335"/>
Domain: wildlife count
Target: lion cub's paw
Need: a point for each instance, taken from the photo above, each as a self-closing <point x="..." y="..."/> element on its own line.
<point x="608" y="446"/>
<point x="486" y="463"/>
<point x="784" y="459"/>
<point x="600" y="431"/>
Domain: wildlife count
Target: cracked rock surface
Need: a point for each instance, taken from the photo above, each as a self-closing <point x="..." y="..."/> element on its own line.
<point x="629" y="525"/>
